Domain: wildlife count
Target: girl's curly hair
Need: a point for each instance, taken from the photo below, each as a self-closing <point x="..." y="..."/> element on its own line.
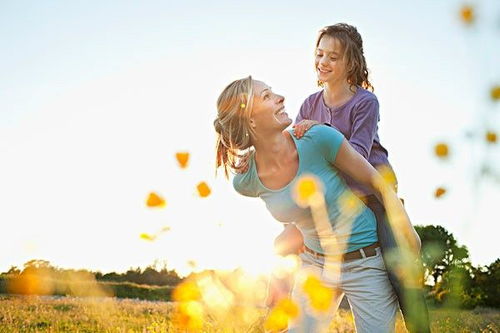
<point x="352" y="43"/>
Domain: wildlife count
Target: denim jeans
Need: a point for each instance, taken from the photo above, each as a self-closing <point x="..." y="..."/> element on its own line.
<point x="411" y="301"/>
<point x="365" y="284"/>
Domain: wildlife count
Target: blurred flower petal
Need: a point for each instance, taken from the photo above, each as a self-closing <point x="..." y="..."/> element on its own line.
<point x="203" y="189"/>
<point x="306" y="190"/>
<point x="495" y="93"/>
<point x="165" y="229"/>
<point x="280" y="316"/>
<point x="440" y="191"/>
<point x="154" y="200"/>
<point x="320" y="296"/>
<point x="189" y="316"/>
<point x="441" y="150"/>
<point x="349" y="203"/>
<point x="491" y="137"/>
<point x="467" y="14"/>
<point x="186" y="291"/>
<point x="388" y="175"/>
<point x="148" y="237"/>
<point x="182" y="159"/>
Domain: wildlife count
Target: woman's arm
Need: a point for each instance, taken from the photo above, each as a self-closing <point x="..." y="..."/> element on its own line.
<point x="289" y="241"/>
<point x="353" y="164"/>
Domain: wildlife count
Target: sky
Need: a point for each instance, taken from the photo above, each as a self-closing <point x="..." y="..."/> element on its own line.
<point x="96" y="98"/>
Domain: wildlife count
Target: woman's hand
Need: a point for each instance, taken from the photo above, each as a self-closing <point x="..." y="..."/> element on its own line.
<point x="302" y="127"/>
<point x="289" y="241"/>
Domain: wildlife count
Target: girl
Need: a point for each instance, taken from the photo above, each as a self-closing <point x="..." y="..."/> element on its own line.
<point x="347" y="103"/>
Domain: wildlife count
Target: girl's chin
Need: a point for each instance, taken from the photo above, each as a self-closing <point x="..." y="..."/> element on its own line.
<point x="323" y="77"/>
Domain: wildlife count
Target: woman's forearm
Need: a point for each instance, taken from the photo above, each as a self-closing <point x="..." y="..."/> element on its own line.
<point x="396" y="214"/>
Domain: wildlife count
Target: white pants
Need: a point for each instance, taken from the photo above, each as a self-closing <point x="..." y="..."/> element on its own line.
<point x="366" y="286"/>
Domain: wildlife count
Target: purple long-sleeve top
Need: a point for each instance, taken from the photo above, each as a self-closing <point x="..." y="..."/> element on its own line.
<point x="357" y="120"/>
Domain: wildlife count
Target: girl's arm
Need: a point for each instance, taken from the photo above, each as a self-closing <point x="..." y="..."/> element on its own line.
<point x="364" y="126"/>
<point x="353" y="164"/>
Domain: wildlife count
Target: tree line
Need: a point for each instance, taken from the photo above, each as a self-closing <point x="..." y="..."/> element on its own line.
<point x="151" y="275"/>
<point x="451" y="279"/>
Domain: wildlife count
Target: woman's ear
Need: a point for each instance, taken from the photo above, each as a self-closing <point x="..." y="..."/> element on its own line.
<point x="252" y="123"/>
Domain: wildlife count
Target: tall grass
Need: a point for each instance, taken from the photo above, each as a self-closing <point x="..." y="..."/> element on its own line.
<point x="68" y="314"/>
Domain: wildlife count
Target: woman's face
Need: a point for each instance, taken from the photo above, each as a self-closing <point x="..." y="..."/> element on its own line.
<point x="268" y="112"/>
<point x="329" y="61"/>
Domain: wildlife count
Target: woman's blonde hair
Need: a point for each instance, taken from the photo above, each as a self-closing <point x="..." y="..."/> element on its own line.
<point x="233" y="124"/>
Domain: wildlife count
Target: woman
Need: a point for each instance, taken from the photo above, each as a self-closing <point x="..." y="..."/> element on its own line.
<point x="251" y="116"/>
<point x="346" y="102"/>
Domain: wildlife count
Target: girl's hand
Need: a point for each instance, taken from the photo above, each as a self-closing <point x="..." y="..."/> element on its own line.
<point x="302" y="127"/>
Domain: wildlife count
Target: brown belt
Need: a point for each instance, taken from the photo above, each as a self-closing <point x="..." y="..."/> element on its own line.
<point x="369" y="251"/>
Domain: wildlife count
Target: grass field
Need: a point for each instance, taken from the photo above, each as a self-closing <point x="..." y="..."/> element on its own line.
<point x="47" y="314"/>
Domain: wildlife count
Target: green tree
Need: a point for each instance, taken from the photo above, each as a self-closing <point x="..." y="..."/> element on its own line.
<point x="486" y="284"/>
<point x="440" y="252"/>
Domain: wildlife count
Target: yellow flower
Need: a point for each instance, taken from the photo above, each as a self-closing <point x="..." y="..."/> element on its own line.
<point x="441" y="150"/>
<point x="182" y="159"/>
<point x="189" y="315"/>
<point x="320" y="296"/>
<point x="387" y="175"/>
<point x="154" y="200"/>
<point x="281" y="315"/>
<point x="440" y="191"/>
<point x="148" y="237"/>
<point x="306" y="190"/>
<point x="349" y="203"/>
<point x="186" y="291"/>
<point x="203" y="189"/>
<point x="491" y="137"/>
<point x="165" y="229"/>
<point x="495" y="93"/>
<point x="467" y="14"/>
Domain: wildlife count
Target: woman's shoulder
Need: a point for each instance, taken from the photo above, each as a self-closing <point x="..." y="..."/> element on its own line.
<point x="246" y="183"/>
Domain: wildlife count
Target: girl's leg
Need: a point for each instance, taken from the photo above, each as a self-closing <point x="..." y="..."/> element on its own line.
<point x="411" y="301"/>
<point x="370" y="294"/>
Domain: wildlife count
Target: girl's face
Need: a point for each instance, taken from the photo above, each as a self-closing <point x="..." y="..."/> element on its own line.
<point x="329" y="61"/>
<point x="268" y="112"/>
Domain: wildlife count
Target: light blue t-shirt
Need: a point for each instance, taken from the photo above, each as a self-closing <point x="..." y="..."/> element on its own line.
<point x="317" y="150"/>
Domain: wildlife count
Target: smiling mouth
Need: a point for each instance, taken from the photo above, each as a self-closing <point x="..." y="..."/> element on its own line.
<point x="280" y="111"/>
<point x="323" y="70"/>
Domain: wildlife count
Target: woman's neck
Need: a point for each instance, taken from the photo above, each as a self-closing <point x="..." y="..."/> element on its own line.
<point x="337" y="93"/>
<point x="274" y="151"/>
